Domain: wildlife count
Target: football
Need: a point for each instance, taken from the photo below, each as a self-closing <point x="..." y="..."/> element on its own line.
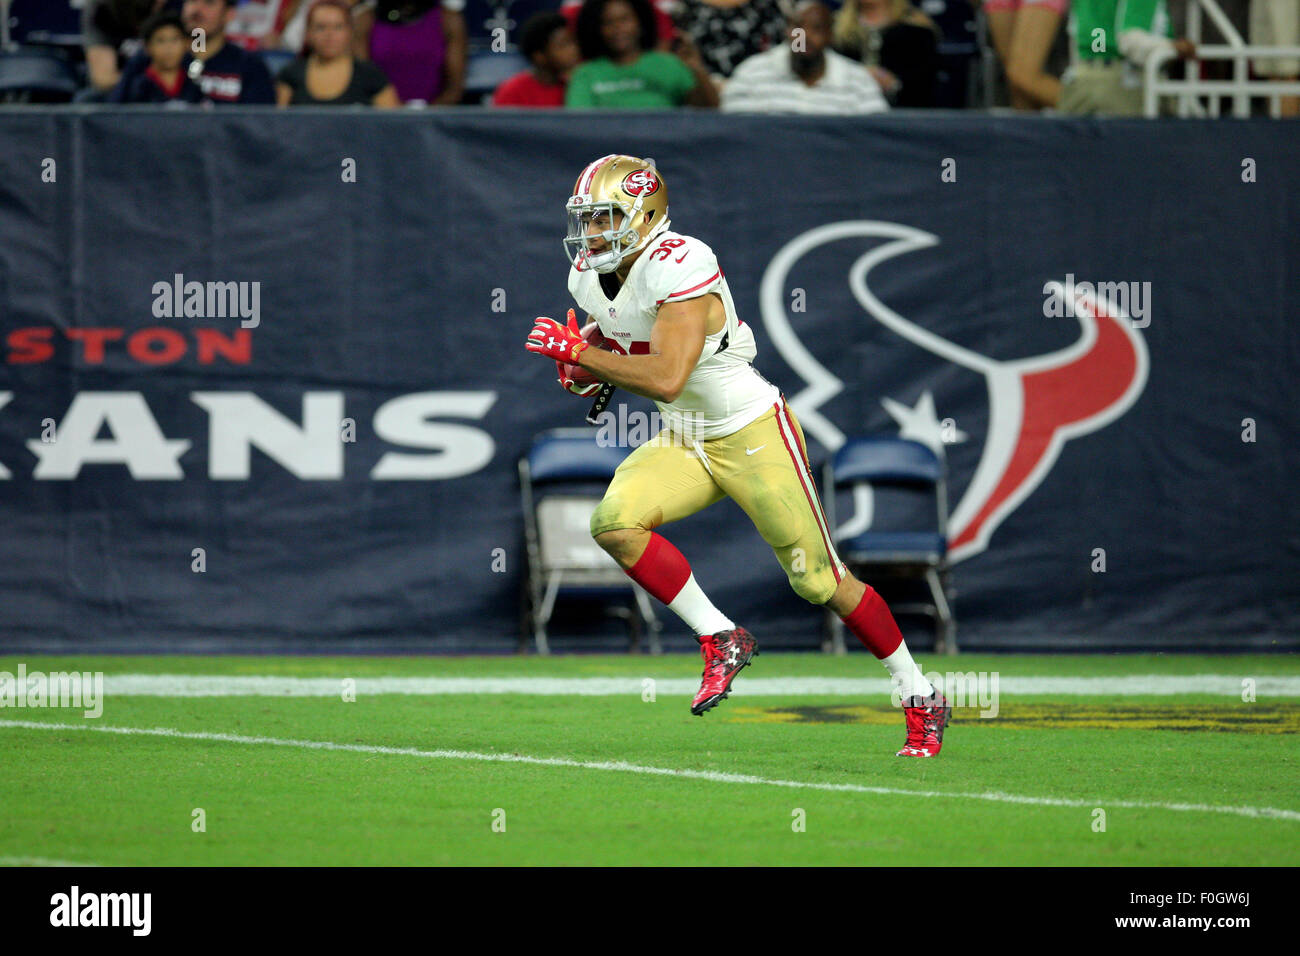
<point x="576" y="373"/>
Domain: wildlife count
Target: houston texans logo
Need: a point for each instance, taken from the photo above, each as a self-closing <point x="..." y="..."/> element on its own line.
<point x="1035" y="404"/>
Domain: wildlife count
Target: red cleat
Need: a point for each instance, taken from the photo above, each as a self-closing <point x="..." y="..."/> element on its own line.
<point x="725" y="653"/>
<point x="926" y="719"/>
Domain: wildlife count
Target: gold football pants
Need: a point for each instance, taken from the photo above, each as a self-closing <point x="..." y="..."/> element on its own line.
<point x="763" y="467"/>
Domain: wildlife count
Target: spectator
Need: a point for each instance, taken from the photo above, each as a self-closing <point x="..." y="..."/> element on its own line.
<point x="664" y="28"/>
<point x="625" y="71"/>
<point x="1277" y="23"/>
<point x="729" y="31"/>
<point x="547" y="44"/>
<point x="164" y="80"/>
<point x="226" y="74"/>
<point x="1023" y="33"/>
<point x="898" y="43"/>
<point x="111" y="35"/>
<point x="327" y="74"/>
<point x="803" y="75"/>
<point x="420" y="45"/>
<point x="1114" y="37"/>
<point x="256" y="24"/>
<point x="290" y="31"/>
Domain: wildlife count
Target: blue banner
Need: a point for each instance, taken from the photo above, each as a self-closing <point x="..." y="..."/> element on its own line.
<point x="264" y="385"/>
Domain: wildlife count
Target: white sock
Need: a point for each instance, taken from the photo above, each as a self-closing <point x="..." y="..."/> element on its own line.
<point x="911" y="682"/>
<point x="693" y="607"/>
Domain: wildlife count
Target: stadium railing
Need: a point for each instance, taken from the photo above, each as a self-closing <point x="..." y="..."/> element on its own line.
<point x="1191" y="90"/>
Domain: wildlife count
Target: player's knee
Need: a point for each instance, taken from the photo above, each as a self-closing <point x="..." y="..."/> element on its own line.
<point x="614" y="540"/>
<point x="624" y="545"/>
<point x="606" y="519"/>
<point x="815" y="588"/>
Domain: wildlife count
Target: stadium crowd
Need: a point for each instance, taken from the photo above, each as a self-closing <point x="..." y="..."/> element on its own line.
<point x="789" y="56"/>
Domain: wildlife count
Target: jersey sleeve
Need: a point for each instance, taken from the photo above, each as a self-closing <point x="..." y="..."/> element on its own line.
<point x="680" y="268"/>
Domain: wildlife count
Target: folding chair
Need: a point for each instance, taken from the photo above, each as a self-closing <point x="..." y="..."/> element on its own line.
<point x="562" y="479"/>
<point x="485" y="70"/>
<point x="36" y="75"/>
<point x="914" y="475"/>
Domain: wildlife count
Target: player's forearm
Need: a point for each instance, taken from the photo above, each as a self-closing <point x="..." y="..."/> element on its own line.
<point x="653" y="376"/>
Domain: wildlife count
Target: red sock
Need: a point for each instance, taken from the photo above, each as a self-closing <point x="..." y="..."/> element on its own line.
<point x="874" y="626"/>
<point x="661" y="569"/>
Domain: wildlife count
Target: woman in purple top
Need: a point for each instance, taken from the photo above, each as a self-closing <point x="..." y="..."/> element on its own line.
<point x="419" y="44"/>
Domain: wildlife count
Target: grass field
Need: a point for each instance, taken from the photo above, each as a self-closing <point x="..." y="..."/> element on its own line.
<point x="566" y="761"/>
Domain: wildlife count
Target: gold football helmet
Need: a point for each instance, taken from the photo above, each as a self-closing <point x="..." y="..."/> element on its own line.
<point x="620" y="203"/>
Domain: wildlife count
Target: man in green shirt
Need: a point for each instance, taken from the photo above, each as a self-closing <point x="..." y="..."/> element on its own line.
<point x="1113" y="41"/>
<point x="624" y="71"/>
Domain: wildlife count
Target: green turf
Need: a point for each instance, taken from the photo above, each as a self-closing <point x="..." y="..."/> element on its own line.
<point x="103" y="798"/>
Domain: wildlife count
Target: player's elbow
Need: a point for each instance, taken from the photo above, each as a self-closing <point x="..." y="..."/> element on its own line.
<point x="668" y="395"/>
<point x="671" y="389"/>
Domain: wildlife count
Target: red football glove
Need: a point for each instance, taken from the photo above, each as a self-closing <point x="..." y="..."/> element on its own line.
<point x="575" y="378"/>
<point x="560" y="342"/>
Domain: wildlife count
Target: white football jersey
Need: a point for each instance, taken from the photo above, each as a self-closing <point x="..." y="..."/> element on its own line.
<point x="724" y="392"/>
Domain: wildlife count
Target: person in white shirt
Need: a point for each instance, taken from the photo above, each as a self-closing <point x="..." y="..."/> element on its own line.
<point x="803" y="75"/>
<point x="1277" y="23"/>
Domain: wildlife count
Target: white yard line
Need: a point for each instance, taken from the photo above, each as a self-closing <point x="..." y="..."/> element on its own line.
<point x="38" y="861"/>
<point x="624" y="767"/>
<point x="206" y="685"/>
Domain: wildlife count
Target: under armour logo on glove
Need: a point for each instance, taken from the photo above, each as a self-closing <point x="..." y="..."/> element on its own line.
<point x="563" y="343"/>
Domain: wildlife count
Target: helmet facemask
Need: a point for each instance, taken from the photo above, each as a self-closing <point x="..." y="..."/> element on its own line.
<point x="613" y="224"/>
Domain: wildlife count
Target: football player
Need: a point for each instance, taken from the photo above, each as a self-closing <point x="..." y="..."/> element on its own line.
<point x="659" y="307"/>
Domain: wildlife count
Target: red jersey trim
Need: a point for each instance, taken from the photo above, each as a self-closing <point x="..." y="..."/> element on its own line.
<point x="701" y="285"/>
